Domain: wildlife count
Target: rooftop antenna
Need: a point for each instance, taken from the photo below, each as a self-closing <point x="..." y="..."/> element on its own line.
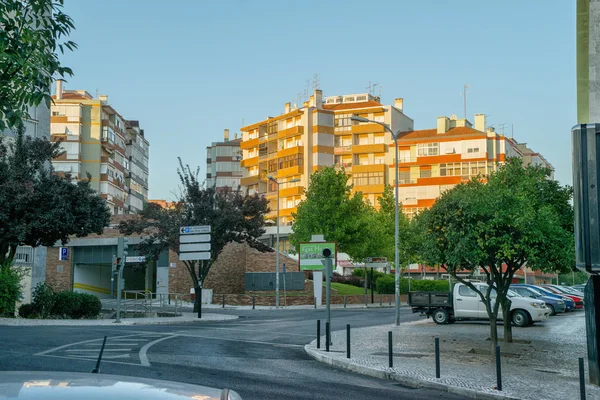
<point x="96" y="93"/>
<point x="369" y="87"/>
<point x="315" y="81"/>
<point x="501" y="126"/>
<point x="465" y="98"/>
<point x="512" y="131"/>
<point x="380" y="90"/>
<point x="298" y="99"/>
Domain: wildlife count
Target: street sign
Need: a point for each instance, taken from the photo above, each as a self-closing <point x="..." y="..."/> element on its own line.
<point x="311" y="255"/>
<point x="191" y="230"/>
<point x="63" y="254"/>
<point x="135" y="259"/>
<point x="194" y="238"/>
<point x="194" y="256"/>
<point x="194" y="247"/>
<point x="370" y="260"/>
<point x="172" y="265"/>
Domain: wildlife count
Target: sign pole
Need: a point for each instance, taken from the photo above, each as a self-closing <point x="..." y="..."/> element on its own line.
<point x="284" y="292"/>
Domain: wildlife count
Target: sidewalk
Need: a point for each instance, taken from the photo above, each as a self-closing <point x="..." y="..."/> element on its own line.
<point x="542" y="365"/>
<point x="187" y="317"/>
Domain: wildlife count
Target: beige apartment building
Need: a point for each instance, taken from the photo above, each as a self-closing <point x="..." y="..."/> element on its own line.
<point x="97" y="140"/>
<point x="320" y="133"/>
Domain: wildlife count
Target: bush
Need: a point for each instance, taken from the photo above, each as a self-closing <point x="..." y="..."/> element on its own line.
<point x="10" y="290"/>
<point x="386" y="284"/>
<point x="66" y="304"/>
<point x="429" y="286"/>
<point x="27" y="311"/>
<point x="90" y="306"/>
<point x="348" y="280"/>
<point x="43" y="300"/>
<point x="358" y="272"/>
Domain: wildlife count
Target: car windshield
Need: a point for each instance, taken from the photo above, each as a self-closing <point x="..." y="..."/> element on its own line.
<point x="535" y="292"/>
<point x="571" y="291"/>
<point x="512" y="293"/>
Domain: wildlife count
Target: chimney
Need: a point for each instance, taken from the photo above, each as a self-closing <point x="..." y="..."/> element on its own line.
<point x="287" y="107"/>
<point x="59" y="89"/>
<point x="305" y="104"/>
<point x="226" y="135"/>
<point x="442" y="124"/>
<point x="311" y="102"/>
<point x="398" y="103"/>
<point x="480" y="122"/>
<point x="318" y="99"/>
<point x="103" y="98"/>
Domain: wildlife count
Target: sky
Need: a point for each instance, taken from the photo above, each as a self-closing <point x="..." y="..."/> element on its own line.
<point x="187" y="69"/>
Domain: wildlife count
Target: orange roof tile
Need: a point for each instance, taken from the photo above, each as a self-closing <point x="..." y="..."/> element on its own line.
<point x="432" y="133"/>
<point x="72" y="96"/>
<point x="348" y="106"/>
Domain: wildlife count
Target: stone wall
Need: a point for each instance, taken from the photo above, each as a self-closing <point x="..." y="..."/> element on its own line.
<point x="59" y="274"/>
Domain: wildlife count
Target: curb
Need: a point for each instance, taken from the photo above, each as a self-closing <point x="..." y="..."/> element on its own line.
<point x="404" y="380"/>
<point x="124" y="322"/>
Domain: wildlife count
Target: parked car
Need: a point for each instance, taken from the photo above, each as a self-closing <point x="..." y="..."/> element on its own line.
<point x="465" y="304"/>
<point x="581" y="288"/>
<point x="569" y="303"/>
<point x="556" y="289"/>
<point x="571" y="290"/>
<point x="555" y="305"/>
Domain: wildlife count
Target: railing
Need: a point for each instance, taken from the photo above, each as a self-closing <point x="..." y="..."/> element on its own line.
<point x="145" y="301"/>
<point x="24" y="255"/>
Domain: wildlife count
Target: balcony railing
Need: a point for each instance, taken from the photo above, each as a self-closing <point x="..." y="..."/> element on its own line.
<point x="24" y="255"/>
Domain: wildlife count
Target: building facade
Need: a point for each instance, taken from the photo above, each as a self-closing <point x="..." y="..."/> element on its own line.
<point x="434" y="160"/>
<point x="320" y="133"/>
<point x="223" y="169"/>
<point x="95" y="141"/>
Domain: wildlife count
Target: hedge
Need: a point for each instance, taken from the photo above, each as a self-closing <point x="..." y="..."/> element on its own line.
<point x="50" y="304"/>
<point x="386" y="285"/>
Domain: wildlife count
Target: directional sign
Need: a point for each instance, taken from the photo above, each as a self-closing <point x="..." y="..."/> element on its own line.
<point x="194" y="247"/>
<point x="135" y="259"/>
<point x="194" y="256"/>
<point x="194" y="238"/>
<point x="191" y="230"/>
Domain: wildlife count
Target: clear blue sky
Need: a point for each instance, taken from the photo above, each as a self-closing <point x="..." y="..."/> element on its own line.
<point x="188" y="69"/>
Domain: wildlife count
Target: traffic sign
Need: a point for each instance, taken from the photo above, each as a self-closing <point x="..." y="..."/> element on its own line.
<point x="64" y="254"/>
<point x="135" y="259"/>
<point x="194" y="247"/>
<point x="194" y="256"/>
<point x="194" y="238"/>
<point x="190" y="230"/>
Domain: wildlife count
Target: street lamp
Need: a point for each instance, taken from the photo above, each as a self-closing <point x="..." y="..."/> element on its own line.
<point x="272" y="179"/>
<point x="396" y="233"/>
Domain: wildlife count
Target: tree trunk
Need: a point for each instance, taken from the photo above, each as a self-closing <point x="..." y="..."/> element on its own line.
<point x="507" y="321"/>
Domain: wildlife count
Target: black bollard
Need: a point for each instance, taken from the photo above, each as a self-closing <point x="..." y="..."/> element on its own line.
<point x="318" y="334"/>
<point x="253" y="302"/>
<point x="437" y="358"/>
<point x="498" y="369"/>
<point x="327" y="336"/>
<point x="223" y="300"/>
<point x="348" y="341"/>
<point x="344" y="301"/>
<point x="581" y="380"/>
<point x="391" y="349"/>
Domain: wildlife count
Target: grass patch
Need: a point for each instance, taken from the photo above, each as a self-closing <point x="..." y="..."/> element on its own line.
<point x="343" y="289"/>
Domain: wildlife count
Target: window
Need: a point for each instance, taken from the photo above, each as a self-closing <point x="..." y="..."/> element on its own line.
<point x="379" y="139"/>
<point x="379" y="118"/>
<point x="342" y="122"/>
<point x="404" y="177"/>
<point x="379" y="159"/>
<point x="404" y="156"/>
<point x="425" y="173"/>
<point x="428" y="149"/>
<point x="466" y="291"/>
<point x="290" y="161"/>
<point x="368" y="178"/>
<point x="466" y="169"/>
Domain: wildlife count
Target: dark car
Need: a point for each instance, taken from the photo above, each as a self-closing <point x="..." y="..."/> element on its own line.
<point x="558" y="290"/>
<point x="569" y="303"/>
<point x="581" y="288"/>
<point x="555" y="305"/>
<point x="74" y="385"/>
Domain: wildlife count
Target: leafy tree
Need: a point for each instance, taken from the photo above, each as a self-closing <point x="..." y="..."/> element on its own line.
<point x="519" y="216"/>
<point x="38" y="207"/>
<point x="32" y="32"/>
<point x="234" y="216"/>
<point x="332" y="210"/>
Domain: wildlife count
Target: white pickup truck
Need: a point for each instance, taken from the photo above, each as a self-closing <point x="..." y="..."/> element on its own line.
<point x="465" y="304"/>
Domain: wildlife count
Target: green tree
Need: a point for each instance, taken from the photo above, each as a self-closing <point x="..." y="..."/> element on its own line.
<point x="38" y="207"/>
<point x="234" y="216"/>
<point x="519" y="216"/>
<point x="32" y="32"/>
<point x="332" y="210"/>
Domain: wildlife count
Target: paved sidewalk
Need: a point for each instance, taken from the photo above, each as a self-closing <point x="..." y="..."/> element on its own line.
<point x="543" y="364"/>
<point x="187" y="317"/>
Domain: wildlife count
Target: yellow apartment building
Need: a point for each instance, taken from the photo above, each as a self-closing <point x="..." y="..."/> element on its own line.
<point x="320" y="133"/>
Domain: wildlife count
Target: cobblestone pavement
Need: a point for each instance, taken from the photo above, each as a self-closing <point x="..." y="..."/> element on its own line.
<point x="541" y="364"/>
<point x="186" y="317"/>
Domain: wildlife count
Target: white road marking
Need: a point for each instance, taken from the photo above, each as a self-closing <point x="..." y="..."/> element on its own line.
<point x="143" y="356"/>
<point x="42" y="353"/>
<point x="95" y="350"/>
<point x="109" y="344"/>
<point x="71" y="357"/>
<point x="103" y="356"/>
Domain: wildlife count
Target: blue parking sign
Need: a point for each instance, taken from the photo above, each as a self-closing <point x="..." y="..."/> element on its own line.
<point x="64" y="254"/>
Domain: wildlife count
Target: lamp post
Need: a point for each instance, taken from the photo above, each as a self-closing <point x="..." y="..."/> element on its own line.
<point x="275" y="181"/>
<point x="396" y="233"/>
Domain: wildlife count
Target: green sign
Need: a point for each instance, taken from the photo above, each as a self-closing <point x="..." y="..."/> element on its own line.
<point x="311" y="255"/>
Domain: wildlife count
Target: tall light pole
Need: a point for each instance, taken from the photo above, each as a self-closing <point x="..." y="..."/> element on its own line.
<point x="396" y="233"/>
<point x="275" y="181"/>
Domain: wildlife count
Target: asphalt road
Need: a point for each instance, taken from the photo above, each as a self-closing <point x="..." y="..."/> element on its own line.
<point x="260" y="355"/>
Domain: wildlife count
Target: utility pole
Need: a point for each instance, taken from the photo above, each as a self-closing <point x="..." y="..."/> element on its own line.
<point x="122" y="245"/>
<point x="465" y="99"/>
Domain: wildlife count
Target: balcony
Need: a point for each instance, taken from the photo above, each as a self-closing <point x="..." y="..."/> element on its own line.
<point x="367" y="128"/>
<point x="359" y="168"/>
<point x="291" y="151"/>
<point x="368" y="148"/>
<point x="293" y="131"/>
<point x="342" y="149"/>
<point x="296" y="170"/>
<point x="374" y="188"/>
<point x="249" y="161"/>
<point x="250" y="180"/>
<point x="292" y="191"/>
<point x="249" y="144"/>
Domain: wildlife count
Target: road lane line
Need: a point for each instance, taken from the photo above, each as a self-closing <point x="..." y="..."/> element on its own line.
<point x="95" y="350"/>
<point x="43" y="353"/>
<point x="143" y="356"/>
